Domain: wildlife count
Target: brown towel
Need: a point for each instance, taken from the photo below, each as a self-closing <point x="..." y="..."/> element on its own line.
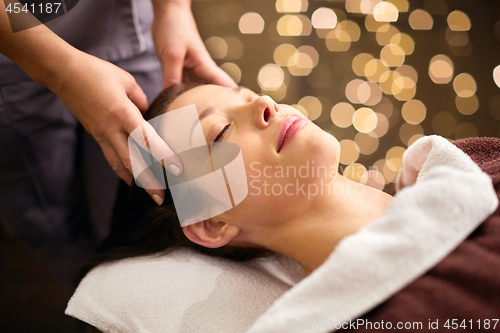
<point x="464" y="286"/>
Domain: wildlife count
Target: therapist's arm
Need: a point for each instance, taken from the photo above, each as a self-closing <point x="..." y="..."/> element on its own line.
<point x="179" y="45"/>
<point x="104" y="98"/>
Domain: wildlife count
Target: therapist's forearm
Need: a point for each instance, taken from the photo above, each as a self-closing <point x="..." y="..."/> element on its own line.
<point x="38" y="51"/>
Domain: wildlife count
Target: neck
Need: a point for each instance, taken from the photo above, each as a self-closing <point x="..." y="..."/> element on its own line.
<point x="311" y="237"/>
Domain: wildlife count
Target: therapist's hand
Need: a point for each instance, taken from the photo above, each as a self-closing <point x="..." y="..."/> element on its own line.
<point x="179" y="45"/>
<point x="108" y="102"/>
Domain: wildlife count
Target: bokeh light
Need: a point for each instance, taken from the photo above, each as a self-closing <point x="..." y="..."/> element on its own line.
<point x="251" y="23"/>
<point x="385" y="12"/>
<point x="233" y="70"/>
<point x="312" y="105"/>
<point x="341" y="114"/>
<point x="496" y="76"/>
<point x="271" y="77"/>
<point x="217" y="47"/>
<point x="364" y="120"/>
<point x="420" y="20"/>
<point x="414" y="111"/>
<point x="367" y="144"/>
<point x="459" y="21"/>
<point x="464" y="85"/>
<point x="467" y="105"/>
<point x="324" y="18"/>
<point x="291" y="6"/>
<point x="441" y="69"/>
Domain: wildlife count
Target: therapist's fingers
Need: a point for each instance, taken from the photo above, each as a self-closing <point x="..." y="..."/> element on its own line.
<point x="138" y="97"/>
<point x="173" y="64"/>
<point x="116" y="163"/>
<point x="131" y="160"/>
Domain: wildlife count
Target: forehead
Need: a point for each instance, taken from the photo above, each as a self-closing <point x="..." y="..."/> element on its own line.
<point x="202" y="96"/>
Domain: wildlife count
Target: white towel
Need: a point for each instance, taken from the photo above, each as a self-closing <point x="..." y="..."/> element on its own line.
<point x="424" y="223"/>
<point x="183" y="291"/>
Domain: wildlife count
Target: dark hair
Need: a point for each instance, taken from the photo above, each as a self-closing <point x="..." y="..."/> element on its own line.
<point x="139" y="227"/>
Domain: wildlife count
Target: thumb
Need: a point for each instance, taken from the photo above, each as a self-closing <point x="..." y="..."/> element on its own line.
<point x="138" y="97"/>
<point x="173" y="63"/>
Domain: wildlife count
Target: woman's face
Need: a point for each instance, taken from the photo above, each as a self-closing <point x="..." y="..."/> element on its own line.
<point x="287" y="157"/>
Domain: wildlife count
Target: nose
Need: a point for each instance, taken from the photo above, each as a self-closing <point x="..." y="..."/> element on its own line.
<point x="264" y="109"/>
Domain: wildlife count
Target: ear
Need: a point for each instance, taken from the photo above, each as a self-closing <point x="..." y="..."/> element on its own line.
<point x="209" y="233"/>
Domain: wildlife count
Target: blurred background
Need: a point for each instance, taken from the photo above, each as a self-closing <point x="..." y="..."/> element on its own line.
<point x="376" y="74"/>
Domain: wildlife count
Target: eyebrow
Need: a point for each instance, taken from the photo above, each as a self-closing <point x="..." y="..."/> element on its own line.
<point x="208" y="111"/>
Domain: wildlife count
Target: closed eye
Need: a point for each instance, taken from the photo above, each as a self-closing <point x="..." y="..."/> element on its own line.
<point x="221" y="134"/>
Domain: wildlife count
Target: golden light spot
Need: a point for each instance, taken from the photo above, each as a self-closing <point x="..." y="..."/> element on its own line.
<point x="338" y="41"/>
<point x="372" y="25"/>
<point x="312" y="105"/>
<point x="291" y="6"/>
<point x="271" y="77"/>
<point x="367" y="6"/>
<point x="341" y="114"/>
<point x="276" y="94"/>
<point x="401" y="5"/>
<point x="293" y="25"/>
<point x="282" y="53"/>
<point x="414" y="111"/>
<point x="367" y="144"/>
<point x="441" y="69"/>
<point x="404" y="41"/>
<point x="408" y="131"/>
<point x="392" y="55"/>
<point x="349" y="152"/>
<point x="420" y="20"/>
<point x="467" y="105"/>
<point x="353" y="6"/>
<point x="382" y="126"/>
<point x="301" y="109"/>
<point x="375" y="94"/>
<point x="458" y="21"/>
<point x="408" y="71"/>
<point x="385" y="33"/>
<point x="351" y="28"/>
<point x="457" y="38"/>
<point x="234" y="48"/>
<point x="466" y="130"/>
<point x="311" y="52"/>
<point x="356" y="172"/>
<point x="444" y="123"/>
<point x="403" y="88"/>
<point x="386" y="82"/>
<point x="385" y="12"/>
<point x="464" y="85"/>
<point x="394" y="158"/>
<point x="374" y="70"/>
<point x="364" y="120"/>
<point x="359" y="63"/>
<point x="233" y="70"/>
<point x="216" y="46"/>
<point x="496" y="76"/>
<point x="351" y="90"/>
<point x="251" y="23"/>
<point x="324" y="18"/>
<point x="300" y="64"/>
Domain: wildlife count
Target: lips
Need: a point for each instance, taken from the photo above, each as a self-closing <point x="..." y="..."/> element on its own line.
<point x="289" y="127"/>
